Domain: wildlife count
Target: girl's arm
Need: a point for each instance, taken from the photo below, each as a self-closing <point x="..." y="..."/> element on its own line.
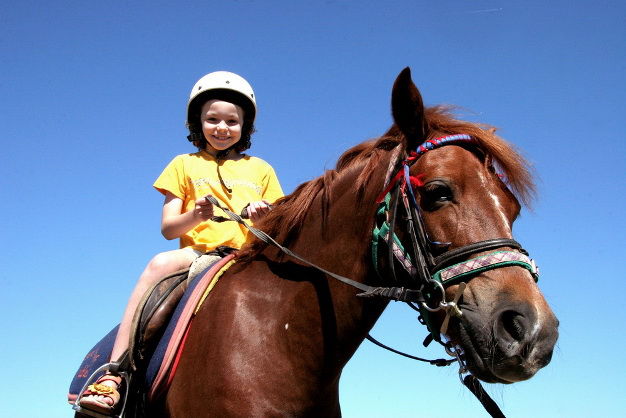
<point x="175" y="223"/>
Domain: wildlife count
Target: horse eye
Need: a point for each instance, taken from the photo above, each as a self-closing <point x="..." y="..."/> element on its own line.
<point x="435" y="194"/>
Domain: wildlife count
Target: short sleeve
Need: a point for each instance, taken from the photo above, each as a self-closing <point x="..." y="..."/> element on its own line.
<point x="271" y="186"/>
<point x="173" y="179"/>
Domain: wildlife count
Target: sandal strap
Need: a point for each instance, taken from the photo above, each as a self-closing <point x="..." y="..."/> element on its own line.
<point x="110" y="377"/>
<point x="98" y="405"/>
<point x="104" y="390"/>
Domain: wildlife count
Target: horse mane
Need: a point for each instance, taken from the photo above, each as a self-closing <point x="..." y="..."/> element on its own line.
<point x="287" y="217"/>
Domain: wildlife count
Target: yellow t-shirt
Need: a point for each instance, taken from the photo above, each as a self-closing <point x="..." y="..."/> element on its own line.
<point x="192" y="176"/>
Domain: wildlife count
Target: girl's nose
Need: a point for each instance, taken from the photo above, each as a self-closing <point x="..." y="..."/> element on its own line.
<point x="222" y="126"/>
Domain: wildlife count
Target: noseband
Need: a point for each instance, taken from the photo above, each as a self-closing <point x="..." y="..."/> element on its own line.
<point x="430" y="275"/>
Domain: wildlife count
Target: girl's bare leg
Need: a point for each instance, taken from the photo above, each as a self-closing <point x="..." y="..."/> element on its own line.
<point x="161" y="265"/>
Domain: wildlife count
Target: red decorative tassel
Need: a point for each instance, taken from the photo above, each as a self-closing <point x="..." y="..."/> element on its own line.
<point x="417" y="181"/>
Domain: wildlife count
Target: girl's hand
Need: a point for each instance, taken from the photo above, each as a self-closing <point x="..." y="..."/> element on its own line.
<point x="257" y="210"/>
<point x="203" y="209"/>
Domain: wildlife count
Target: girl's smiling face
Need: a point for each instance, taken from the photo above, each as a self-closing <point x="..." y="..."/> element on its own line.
<point x="221" y="125"/>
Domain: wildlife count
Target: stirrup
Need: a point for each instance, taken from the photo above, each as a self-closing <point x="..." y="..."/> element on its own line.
<point x="114" y="368"/>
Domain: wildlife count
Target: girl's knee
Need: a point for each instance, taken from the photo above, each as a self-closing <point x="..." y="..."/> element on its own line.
<point x="160" y="262"/>
<point x="168" y="262"/>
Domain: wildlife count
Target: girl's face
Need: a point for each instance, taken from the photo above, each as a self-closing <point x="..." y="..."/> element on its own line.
<point x="221" y="125"/>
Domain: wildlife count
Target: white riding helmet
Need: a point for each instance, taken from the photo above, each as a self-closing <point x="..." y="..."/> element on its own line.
<point x="226" y="86"/>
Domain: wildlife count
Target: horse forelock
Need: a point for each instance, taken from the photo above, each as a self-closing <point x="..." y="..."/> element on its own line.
<point x="287" y="218"/>
<point x="514" y="168"/>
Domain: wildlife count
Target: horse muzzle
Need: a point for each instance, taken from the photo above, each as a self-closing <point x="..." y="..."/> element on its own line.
<point x="518" y="342"/>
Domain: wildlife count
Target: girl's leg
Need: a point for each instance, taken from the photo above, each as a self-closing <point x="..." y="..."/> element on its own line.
<point x="161" y="265"/>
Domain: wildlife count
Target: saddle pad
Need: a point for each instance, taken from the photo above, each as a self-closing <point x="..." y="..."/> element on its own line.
<point x="97" y="356"/>
<point x="100" y="354"/>
<point x="163" y="363"/>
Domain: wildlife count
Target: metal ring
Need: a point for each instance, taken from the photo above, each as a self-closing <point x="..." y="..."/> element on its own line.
<point x="449" y="349"/>
<point x="442" y="303"/>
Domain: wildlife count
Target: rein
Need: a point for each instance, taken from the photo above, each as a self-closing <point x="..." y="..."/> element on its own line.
<point x="430" y="274"/>
<point x="269" y="240"/>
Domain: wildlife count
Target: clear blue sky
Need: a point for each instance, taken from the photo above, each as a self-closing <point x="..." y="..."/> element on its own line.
<point x="93" y="100"/>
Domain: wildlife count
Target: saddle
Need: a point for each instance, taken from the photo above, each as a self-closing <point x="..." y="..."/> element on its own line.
<point x="157" y="334"/>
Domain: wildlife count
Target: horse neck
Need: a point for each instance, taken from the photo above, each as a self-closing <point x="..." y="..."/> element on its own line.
<point x="341" y="244"/>
<point x="336" y="235"/>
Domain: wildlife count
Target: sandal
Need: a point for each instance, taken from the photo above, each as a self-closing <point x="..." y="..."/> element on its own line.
<point x="89" y="401"/>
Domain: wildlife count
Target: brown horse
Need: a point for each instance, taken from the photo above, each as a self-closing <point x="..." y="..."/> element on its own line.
<point x="274" y="335"/>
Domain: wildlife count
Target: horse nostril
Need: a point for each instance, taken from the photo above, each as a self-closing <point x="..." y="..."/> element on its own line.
<point x="523" y="340"/>
<point x="513" y="325"/>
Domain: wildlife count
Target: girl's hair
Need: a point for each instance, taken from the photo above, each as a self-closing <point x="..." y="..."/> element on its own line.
<point x="195" y="129"/>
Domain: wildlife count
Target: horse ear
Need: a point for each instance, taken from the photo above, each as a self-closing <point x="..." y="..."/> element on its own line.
<point x="408" y="109"/>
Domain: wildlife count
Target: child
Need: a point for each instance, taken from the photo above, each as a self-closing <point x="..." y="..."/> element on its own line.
<point x="220" y="118"/>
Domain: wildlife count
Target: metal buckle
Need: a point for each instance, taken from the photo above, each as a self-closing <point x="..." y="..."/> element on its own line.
<point x="456" y="351"/>
<point x="452" y="308"/>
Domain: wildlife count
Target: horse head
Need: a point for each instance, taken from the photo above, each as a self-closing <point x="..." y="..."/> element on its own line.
<point x="466" y="194"/>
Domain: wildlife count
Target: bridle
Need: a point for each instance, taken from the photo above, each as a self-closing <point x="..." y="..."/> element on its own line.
<point x="429" y="274"/>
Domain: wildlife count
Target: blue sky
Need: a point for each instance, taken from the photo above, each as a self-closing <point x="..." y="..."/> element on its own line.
<point x="93" y="102"/>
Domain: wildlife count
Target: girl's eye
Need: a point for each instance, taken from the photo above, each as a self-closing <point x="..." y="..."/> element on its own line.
<point x="435" y="194"/>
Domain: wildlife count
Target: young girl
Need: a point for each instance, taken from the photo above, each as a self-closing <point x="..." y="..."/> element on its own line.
<point x="220" y="118"/>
